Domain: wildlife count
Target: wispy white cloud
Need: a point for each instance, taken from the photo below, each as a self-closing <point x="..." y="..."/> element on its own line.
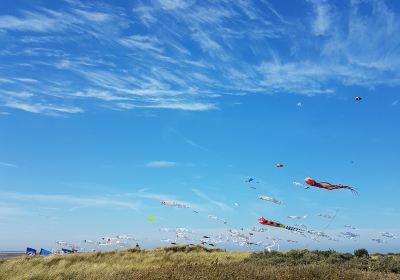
<point x="200" y="52"/>
<point x="43" y="108"/>
<point x="27" y="80"/>
<point x="322" y="21"/>
<point x="183" y="106"/>
<point x="141" y="42"/>
<point x="30" y="22"/>
<point x="7" y="164"/>
<point x="103" y="95"/>
<point x="4" y="81"/>
<point x="145" y="193"/>
<point x="71" y="200"/>
<point x="174" y="4"/>
<point x="7" y="211"/>
<point x="363" y="44"/>
<point x="219" y="204"/>
<point x="94" y="16"/>
<point x="161" y="164"/>
<point x="303" y="77"/>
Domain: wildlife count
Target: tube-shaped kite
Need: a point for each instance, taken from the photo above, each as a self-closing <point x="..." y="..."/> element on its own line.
<point x="326" y="185"/>
<point x="265" y="222"/>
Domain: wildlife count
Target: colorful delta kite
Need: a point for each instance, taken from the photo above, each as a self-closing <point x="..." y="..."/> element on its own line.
<point x="275" y="224"/>
<point x="327" y="186"/>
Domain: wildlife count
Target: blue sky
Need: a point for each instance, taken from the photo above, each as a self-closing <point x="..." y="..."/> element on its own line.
<point x="106" y="109"/>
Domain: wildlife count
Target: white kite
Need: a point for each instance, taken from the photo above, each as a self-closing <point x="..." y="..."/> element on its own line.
<point x="174" y="204"/>
<point x="270" y="199"/>
<point x="297" y="217"/>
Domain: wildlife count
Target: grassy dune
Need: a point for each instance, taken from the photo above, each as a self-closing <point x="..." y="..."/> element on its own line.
<point x="198" y="263"/>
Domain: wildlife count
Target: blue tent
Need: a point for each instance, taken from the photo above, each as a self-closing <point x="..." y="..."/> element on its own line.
<point x="44" y="252"/>
<point x="30" y="252"/>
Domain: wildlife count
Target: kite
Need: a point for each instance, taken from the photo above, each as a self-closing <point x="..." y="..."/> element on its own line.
<point x="182" y="233"/>
<point x="275" y="224"/>
<point x="292" y="241"/>
<point x="212" y="217"/>
<point x="326" y="185"/>
<point x="249" y="180"/>
<point x="350" y="226"/>
<point x="236" y="204"/>
<point x="358" y="98"/>
<point x="166" y="240"/>
<point x="268" y="246"/>
<point x="121" y="244"/>
<point x="326" y="216"/>
<point x="256" y="229"/>
<point x="110" y="239"/>
<point x="104" y="244"/>
<point x="378" y="240"/>
<point x="238" y="234"/>
<point x="297" y="184"/>
<point x="205" y="236"/>
<point x="318" y="233"/>
<point x="297" y="217"/>
<point x="270" y="199"/>
<point x="388" y="235"/>
<point x="301" y="225"/>
<point x="151" y="218"/>
<point x="349" y="235"/>
<point x="279" y="165"/>
<point x="174" y="204"/>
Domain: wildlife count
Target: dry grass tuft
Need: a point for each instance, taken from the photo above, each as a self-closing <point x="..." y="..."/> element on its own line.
<point x="187" y="262"/>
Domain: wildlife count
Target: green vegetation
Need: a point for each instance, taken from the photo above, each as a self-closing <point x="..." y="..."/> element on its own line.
<point x="195" y="262"/>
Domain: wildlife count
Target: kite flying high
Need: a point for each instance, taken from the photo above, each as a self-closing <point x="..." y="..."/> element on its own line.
<point x="275" y="224"/>
<point x="326" y="185"/>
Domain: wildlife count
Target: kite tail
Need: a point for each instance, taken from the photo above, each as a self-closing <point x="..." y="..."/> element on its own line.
<point x="294" y="229"/>
<point x="354" y="191"/>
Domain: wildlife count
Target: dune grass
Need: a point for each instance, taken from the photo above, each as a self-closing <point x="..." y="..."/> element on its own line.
<point x="194" y="262"/>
